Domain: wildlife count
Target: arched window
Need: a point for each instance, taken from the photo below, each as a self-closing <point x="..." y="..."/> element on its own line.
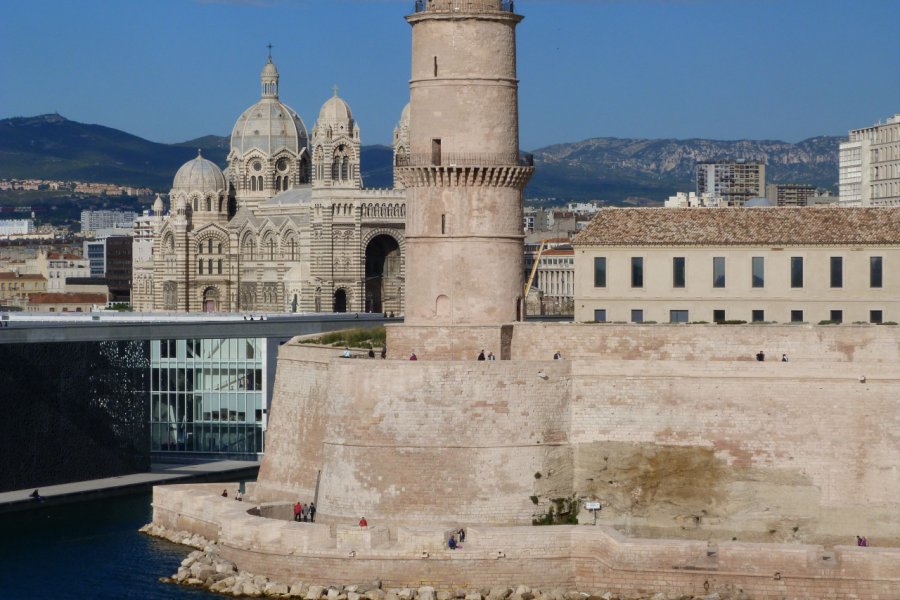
<point x="195" y="205"/>
<point x="253" y="184"/>
<point x="259" y="183"/>
<point x="345" y="166"/>
<point x="209" y="265"/>
<point x="209" y="205"/>
<point x="220" y="266"/>
<point x="200" y="266"/>
<point x="293" y="249"/>
<point x="335" y="169"/>
<point x="209" y="244"/>
<point x="271" y="249"/>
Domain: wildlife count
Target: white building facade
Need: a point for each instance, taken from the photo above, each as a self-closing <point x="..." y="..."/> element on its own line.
<point x="870" y="165"/>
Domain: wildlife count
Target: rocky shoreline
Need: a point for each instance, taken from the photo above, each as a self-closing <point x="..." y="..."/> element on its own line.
<point x="206" y="569"/>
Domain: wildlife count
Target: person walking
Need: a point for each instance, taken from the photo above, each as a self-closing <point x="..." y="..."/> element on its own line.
<point x="481" y="355"/>
<point x="491" y="356"/>
<point x="312" y="512"/>
<point x="413" y="356"/>
<point x="298" y="508"/>
<point x="363" y="522"/>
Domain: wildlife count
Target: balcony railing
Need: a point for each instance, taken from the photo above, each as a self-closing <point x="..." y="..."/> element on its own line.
<point x="465" y="159"/>
<point x="464" y="6"/>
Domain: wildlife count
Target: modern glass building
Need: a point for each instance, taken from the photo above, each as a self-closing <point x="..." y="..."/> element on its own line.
<point x="209" y="396"/>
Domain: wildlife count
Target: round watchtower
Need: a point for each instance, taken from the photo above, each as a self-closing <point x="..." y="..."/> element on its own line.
<point x="463" y="172"/>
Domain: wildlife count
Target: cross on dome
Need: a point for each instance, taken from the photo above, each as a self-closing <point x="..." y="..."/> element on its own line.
<point x="335" y="88"/>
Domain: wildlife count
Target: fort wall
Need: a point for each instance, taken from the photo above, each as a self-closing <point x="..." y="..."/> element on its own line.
<point x="568" y="557"/>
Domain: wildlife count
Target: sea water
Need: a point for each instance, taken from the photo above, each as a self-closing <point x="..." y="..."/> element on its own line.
<point x="88" y="550"/>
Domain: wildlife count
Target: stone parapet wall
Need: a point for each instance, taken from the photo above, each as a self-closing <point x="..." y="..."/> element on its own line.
<point x="694" y="343"/>
<point x="580" y="557"/>
<point x="435" y="342"/>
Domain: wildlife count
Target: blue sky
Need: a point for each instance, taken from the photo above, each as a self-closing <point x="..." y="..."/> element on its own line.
<point x="172" y="70"/>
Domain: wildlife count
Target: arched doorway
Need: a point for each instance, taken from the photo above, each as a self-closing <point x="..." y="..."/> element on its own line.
<point x="211" y="300"/>
<point x="382" y="274"/>
<point x="340" y="301"/>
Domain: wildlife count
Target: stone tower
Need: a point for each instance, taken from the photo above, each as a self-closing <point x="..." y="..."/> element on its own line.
<point x="464" y="175"/>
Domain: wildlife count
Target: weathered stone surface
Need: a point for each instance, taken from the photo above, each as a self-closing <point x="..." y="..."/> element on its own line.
<point x="314" y="592"/>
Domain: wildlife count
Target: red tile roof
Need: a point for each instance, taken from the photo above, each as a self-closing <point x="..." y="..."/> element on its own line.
<point x="67" y="298"/>
<point x="782" y="226"/>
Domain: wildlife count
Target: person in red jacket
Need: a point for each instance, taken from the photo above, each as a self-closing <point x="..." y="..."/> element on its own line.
<point x="298" y="510"/>
<point x="363" y="522"/>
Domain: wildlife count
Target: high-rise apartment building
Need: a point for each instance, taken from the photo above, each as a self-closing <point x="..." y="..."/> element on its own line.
<point x="735" y="181"/>
<point x="790" y="194"/>
<point x="92" y="220"/>
<point x="870" y="165"/>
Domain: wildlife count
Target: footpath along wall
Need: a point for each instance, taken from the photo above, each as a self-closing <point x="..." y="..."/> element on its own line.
<point x="570" y="557"/>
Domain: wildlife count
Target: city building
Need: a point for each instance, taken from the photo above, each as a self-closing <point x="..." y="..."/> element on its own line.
<point x="16" y="289"/>
<point x="790" y="194"/>
<point x="75" y="302"/>
<point x="118" y="267"/>
<point x="95" y="251"/>
<point x="693" y="200"/>
<point x="142" y="261"/>
<point x="57" y="267"/>
<point x="782" y="265"/>
<point x="870" y="165"/>
<point x="734" y="181"/>
<point x="92" y="220"/>
<point x="16" y="227"/>
<point x="287" y="227"/>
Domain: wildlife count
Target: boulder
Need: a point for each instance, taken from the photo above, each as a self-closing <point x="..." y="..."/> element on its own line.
<point x="522" y="589"/>
<point x="529" y="595"/>
<point x="501" y="593"/>
<point x="473" y="595"/>
<point x="375" y="594"/>
<point x="405" y="594"/>
<point x="297" y="590"/>
<point x="425" y="593"/>
<point x="314" y="592"/>
<point x="277" y="589"/>
<point x="183" y="573"/>
<point x="354" y="596"/>
<point x="444" y="595"/>
<point x="250" y="589"/>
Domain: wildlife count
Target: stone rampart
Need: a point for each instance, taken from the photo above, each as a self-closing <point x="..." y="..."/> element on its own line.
<point x="579" y="557"/>
<point x="865" y="344"/>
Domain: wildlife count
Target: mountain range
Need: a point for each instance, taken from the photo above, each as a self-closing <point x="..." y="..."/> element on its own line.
<point x="612" y="169"/>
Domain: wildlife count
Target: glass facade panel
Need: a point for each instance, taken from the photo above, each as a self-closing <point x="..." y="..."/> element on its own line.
<point x="637" y="315"/>
<point x="678" y="272"/>
<point x="719" y="271"/>
<point x="796" y="316"/>
<point x="718" y="315"/>
<point x="208" y="396"/>
<point x="758" y="316"/>
<point x="600" y="315"/>
<point x="796" y="271"/>
<point x="875" y="316"/>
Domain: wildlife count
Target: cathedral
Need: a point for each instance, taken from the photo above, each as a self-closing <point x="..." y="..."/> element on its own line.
<point x="287" y="227"/>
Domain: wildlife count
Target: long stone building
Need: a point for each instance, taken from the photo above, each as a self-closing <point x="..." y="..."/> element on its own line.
<point x="287" y="227"/>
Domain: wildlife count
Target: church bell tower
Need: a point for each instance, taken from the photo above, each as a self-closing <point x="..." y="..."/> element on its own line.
<point x="463" y="173"/>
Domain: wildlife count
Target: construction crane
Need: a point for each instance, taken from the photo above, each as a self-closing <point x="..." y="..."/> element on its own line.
<point x="537" y="260"/>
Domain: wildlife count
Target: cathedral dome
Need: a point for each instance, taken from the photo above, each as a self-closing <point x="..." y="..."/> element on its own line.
<point x="199" y="175"/>
<point x="404" y="116"/>
<point x="335" y="110"/>
<point x="269" y="125"/>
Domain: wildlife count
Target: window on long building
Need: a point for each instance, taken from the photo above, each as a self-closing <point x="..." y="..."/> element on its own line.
<point x="837" y="272"/>
<point x="759" y="271"/>
<point x="600" y="271"/>
<point x="678" y="272"/>
<point x="796" y="271"/>
<point x="875" y="272"/>
<point x="637" y="272"/>
<point x="719" y="271"/>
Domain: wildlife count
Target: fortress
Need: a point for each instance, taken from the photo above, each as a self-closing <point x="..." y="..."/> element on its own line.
<point x="714" y="471"/>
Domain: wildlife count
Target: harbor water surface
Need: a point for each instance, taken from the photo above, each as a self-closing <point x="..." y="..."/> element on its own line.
<point x="88" y="550"/>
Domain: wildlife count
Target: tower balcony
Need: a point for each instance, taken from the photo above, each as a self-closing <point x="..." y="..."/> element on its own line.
<point x="464" y="6"/>
<point x="465" y="159"/>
